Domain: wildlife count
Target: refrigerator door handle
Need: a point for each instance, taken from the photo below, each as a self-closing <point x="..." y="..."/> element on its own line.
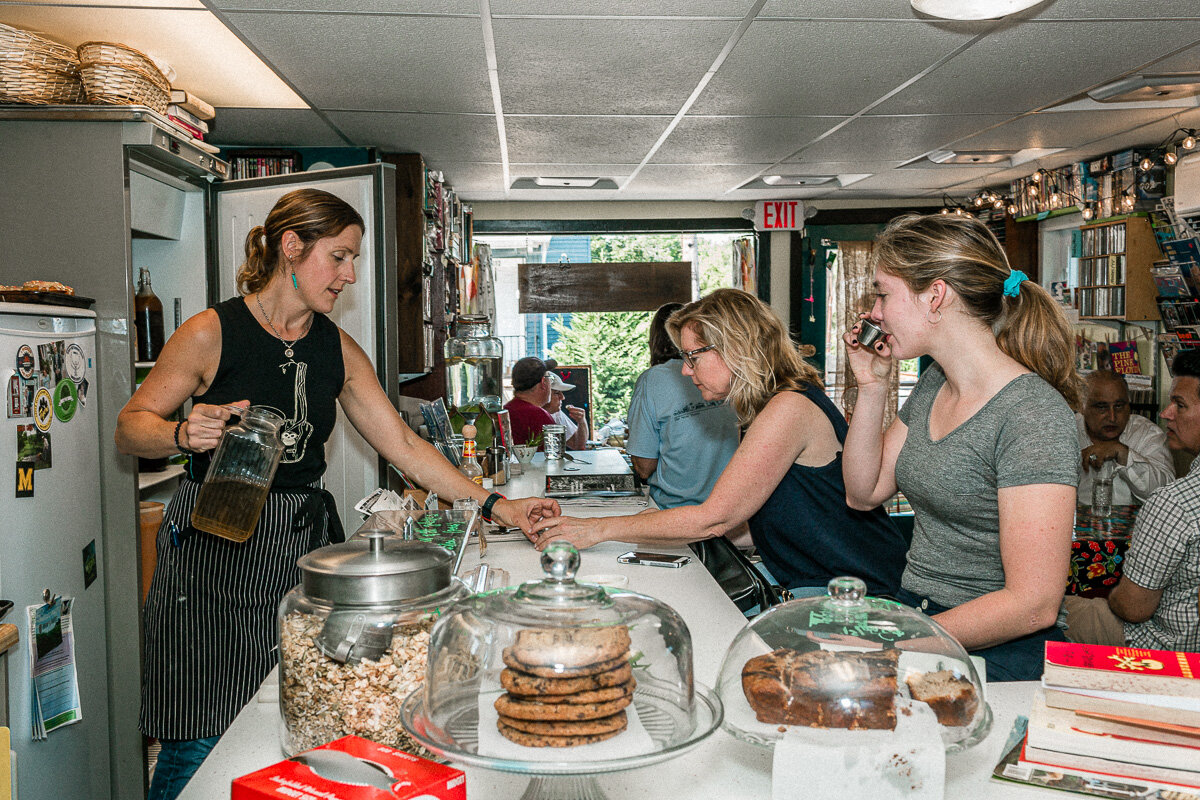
<point x="55" y="335"/>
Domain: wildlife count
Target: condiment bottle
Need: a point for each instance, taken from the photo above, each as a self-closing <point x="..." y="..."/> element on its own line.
<point x="147" y="319"/>
<point x="469" y="466"/>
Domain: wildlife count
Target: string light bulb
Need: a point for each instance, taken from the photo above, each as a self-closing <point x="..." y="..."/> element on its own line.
<point x="944" y="211"/>
<point x="1036" y="177"/>
<point x="998" y="202"/>
<point x="1146" y="164"/>
<point x="1012" y="209"/>
<point x="978" y="201"/>
<point x="1033" y="190"/>
<point x="1189" y="141"/>
<point x="1170" y="158"/>
<point x="1087" y="212"/>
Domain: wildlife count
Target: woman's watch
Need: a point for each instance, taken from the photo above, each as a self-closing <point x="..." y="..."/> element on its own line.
<point x="489" y="504"/>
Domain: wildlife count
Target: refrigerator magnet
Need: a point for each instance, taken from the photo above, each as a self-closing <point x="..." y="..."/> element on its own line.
<point x="24" y="480"/>
<point x="89" y="564"/>
<point x="25" y="361"/>
<point x="33" y="447"/>
<point x="43" y="409"/>
<point x="14" y="396"/>
<point x="75" y="363"/>
<point x="66" y="400"/>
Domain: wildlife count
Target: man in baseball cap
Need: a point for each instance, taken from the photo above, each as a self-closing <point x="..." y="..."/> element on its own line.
<point x="572" y="418"/>
<point x="531" y="391"/>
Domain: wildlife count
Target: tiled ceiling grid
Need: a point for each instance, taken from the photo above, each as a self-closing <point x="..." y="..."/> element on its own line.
<point x="700" y="102"/>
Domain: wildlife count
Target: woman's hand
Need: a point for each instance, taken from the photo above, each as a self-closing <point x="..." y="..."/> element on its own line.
<point x="205" y="425"/>
<point x="525" y="512"/>
<point x="871" y="365"/>
<point x="583" y="533"/>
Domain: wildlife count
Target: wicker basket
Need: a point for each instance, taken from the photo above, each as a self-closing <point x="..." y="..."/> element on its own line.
<point x="114" y="74"/>
<point x="36" y="70"/>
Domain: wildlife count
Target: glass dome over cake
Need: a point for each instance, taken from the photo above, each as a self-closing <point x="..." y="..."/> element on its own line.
<point x="556" y="677"/>
<point x="849" y="661"/>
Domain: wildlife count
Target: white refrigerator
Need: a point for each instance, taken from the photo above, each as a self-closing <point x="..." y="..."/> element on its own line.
<point x="50" y="536"/>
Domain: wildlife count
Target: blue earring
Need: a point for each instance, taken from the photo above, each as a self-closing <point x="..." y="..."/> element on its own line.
<point x="295" y="285"/>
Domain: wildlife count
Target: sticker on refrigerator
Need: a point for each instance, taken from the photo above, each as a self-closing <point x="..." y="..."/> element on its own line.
<point x="89" y="564"/>
<point x="24" y="480"/>
<point x="33" y="447"/>
<point x="43" y="409"/>
<point x="66" y="400"/>
<point x="16" y="396"/>
<point x="51" y="356"/>
<point x="75" y="363"/>
<point x="25" y="361"/>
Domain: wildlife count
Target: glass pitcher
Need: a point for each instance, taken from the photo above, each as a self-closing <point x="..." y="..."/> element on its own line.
<point x="239" y="477"/>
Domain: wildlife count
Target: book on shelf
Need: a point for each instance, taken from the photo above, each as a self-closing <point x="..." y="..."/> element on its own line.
<point x="1125" y="357"/>
<point x="1121" y="669"/>
<point x="186" y="127"/>
<point x="1147" y="707"/>
<point x="1062" y="731"/>
<point x="181" y="114"/>
<point x="190" y="102"/>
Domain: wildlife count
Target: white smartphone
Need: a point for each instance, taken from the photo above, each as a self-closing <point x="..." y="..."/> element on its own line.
<point x="653" y="559"/>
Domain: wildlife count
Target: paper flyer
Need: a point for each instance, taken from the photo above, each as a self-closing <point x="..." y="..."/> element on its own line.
<point x="54" y="697"/>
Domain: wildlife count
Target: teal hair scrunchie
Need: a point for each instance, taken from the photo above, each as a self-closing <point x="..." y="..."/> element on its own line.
<point x="1012" y="284"/>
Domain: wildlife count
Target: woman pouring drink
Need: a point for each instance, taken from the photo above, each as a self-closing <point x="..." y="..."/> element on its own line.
<point x="209" y="619"/>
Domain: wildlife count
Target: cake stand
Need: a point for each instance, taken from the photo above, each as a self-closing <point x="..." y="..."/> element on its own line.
<point x="452" y="731"/>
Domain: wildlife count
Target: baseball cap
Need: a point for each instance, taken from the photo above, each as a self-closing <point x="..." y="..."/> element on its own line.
<point x="556" y="383"/>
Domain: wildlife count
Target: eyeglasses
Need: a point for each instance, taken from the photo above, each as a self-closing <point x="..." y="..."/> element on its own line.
<point x="689" y="356"/>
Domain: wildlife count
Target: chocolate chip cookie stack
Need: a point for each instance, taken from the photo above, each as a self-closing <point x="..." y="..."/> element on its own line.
<point x="565" y="686"/>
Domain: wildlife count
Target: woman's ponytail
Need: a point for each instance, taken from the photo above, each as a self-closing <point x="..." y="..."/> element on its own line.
<point x="255" y="273"/>
<point x="1035" y="331"/>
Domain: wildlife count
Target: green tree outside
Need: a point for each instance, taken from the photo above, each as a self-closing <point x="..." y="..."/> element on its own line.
<point x="615" y="343"/>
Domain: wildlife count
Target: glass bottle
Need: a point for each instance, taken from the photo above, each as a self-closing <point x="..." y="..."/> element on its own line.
<point x="1102" y="489"/>
<point x="474" y="365"/>
<point x="239" y="477"/>
<point x="147" y="319"/>
<point x="470" y="466"/>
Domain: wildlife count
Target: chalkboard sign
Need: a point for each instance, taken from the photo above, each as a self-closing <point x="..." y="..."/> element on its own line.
<point x="581" y="395"/>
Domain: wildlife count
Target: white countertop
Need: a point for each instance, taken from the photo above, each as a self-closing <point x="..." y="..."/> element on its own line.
<point x="720" y="767"/>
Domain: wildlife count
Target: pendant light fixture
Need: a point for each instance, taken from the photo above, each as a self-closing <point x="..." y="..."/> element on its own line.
<point x="972" y="9"/>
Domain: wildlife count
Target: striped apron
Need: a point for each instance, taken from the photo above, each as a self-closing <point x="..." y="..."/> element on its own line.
<point x="209" y="620"/>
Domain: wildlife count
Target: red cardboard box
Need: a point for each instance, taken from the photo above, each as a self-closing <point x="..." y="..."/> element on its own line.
<point x="352" y="769"/>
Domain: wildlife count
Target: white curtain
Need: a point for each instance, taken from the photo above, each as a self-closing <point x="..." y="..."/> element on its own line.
<point x="851" y="292"/>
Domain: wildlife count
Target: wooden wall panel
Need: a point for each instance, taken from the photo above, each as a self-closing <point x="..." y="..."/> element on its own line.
<point x="634" y="286"/>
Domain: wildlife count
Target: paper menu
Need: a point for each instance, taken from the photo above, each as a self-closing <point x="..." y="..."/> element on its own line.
<point x="54" y="694"/>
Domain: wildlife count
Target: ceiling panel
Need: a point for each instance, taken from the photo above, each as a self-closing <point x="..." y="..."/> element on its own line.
<point x="1075" y="57"/>
<point x="272" y="127"/>
<point x="739" y="140"/>
<point x="428" y="7"/>
<point x="1115" y="9"/>
<point x="795" y="68"/>
<point x="449" y="137"/>
<point x="803" y="166"/>
<point x="734" y="9"/>
<point x="382" y="63"/>
<point x="615" y="171"/>
<point x="896" y="138"/>
<point x="128" y="3"/>
<point x="603" y="66"/>
<point x="569" y="140"/>
<point x="669" y="182"/>
<point x="922" y="178"/>
<point x="848" y="9"/>
<point x="1187" y="61"/>
<point x="470" y="178"/>
<point x="1058" y="129"/>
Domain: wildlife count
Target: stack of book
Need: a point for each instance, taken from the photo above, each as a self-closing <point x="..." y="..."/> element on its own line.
<point x="190" y="115"/>
<point x="1110" y="716"/>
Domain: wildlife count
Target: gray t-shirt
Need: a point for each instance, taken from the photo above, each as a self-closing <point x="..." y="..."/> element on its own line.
<point x="1024" y="435"/>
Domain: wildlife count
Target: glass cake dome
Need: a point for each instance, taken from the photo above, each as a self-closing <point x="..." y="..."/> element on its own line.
<point x="849" y="661"/>
<point x="559" y="678"/>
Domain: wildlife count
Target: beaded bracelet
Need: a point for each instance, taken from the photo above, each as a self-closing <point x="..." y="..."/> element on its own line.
<point x="179" y="446"/>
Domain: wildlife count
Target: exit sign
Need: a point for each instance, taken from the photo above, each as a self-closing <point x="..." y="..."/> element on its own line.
<point x="779" y="215"/>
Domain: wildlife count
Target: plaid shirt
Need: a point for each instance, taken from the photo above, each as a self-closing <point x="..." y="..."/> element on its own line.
<point x="1164" y="553"/>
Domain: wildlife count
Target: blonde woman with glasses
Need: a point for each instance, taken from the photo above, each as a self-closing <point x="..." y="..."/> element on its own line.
<point x="785" y="479"/>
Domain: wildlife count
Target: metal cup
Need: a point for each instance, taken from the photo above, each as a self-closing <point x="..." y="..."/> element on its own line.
<point x="868" y="333"/>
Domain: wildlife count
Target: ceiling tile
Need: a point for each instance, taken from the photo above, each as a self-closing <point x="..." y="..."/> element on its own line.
<point x="569" y="140"/>
<point x="804" y="166"/>
<point x="739" y="140"/>
<point x="1059" y="129"/>
<point x="998" y="72"/>
<point x="426" y="7"/>
<point x="603" y="66"/>
<point x="845" y="9"/>
<point x="615" y="171"/>
<point x="1187" y="61"/>
<point x="378" y="63"/>
<point x="438" y="137"/>
<point x="795" y="68"/>
<point x="734" y="9"/>
<point x="469" y="178"/>
<point x="272" y="127"/>
<point x="922" y="178"/>
<point x="670" y="182"/>
<point x="1116" y="9"/>
<point x="896" y="138"/>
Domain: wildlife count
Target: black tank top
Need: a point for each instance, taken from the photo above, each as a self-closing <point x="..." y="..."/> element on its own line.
<point x="302" y="389"/>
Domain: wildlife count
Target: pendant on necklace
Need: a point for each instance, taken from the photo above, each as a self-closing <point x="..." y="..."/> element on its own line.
<point x="287" y="351"/>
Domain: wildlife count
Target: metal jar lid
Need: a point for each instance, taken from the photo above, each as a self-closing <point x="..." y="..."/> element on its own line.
<point x="375" y="568"/>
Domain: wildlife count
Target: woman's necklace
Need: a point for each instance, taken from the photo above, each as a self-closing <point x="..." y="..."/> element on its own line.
<point x="287" y="346"/>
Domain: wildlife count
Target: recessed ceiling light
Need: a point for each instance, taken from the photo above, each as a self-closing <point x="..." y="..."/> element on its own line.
<point x="970" y="157"/>
<point x="564" y="183"/>
<point x="796" y="180"/>
<point x="1142" y="88"/>
<point x="972" y="9"/>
